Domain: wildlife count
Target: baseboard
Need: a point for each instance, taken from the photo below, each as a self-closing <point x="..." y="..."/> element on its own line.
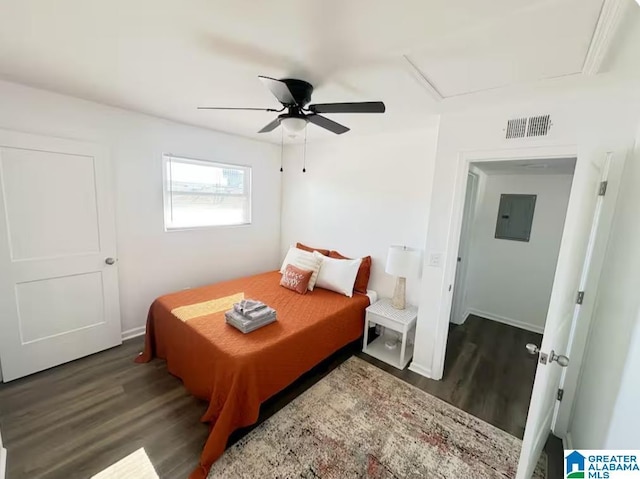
<point x="464" y="318"/>
<point x="422" y="371"/>
<point x="567" y="442"/>
<point x="509" y="321"/>
<point x="132" y="333"/>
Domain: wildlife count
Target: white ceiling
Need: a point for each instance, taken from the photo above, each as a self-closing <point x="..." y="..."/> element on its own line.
<point x="544" y="40"/>
<point x="166" y="57"/>
<point x="556" y="166"/>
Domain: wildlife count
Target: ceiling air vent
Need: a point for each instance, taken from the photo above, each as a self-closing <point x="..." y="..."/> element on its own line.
<point x="528" y="127"/>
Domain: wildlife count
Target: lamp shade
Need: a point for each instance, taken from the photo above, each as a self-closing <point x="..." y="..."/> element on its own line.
<point x="403" y="261"/>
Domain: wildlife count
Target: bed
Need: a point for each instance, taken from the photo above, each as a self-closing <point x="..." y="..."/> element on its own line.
<point x="237" y="372"/>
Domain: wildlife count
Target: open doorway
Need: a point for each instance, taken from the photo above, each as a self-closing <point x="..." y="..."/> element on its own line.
<point x="513" y="220"/>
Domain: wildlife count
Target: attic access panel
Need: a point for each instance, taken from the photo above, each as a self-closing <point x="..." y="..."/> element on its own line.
<point x="515" y="217"/>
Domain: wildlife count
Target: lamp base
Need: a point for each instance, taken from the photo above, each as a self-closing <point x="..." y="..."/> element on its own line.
<point x="399" y="293"/>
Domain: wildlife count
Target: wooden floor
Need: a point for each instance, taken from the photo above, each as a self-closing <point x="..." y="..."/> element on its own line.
<point x="77" y="419"/>
<point x="488" y="373"/>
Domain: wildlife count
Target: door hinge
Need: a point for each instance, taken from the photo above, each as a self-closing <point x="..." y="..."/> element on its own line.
<point x="560" y="394"/>
<point x="603" y="188"/>
<point x="580" y="298"/>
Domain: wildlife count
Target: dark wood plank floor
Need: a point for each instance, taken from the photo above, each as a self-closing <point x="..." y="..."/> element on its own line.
<point x="77" y="419"/>
<point x="488" y="372"/>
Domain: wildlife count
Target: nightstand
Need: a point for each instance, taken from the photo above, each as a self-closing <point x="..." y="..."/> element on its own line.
<point x="402" y="321"/>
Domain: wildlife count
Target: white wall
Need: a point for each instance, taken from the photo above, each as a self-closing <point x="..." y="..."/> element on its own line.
<point x="605" y="411"/>
<point x="595" y="120"/>
<point x="151" y="261"/>
<point x="511" y="281"/>
<point x="359" y="196"/>
<point x="625" y="422"/>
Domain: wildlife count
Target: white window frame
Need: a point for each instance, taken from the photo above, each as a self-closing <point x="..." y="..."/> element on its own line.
<point x="166" y="184"/>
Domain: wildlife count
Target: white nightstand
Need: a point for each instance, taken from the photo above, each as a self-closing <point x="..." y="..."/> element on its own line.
<point x="401" y="320"/>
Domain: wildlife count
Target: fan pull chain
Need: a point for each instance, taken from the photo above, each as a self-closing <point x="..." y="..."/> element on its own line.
<point x="304" y="157"/>
<point x="281" y="148"/>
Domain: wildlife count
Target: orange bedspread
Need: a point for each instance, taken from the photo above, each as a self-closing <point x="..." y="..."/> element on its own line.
<point x="237" y="372"/>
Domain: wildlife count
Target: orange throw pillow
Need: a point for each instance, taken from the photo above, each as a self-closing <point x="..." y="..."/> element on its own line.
<point x="324" y="252"/>
<point x="362" y="278"/>
<point x="296" y="279"/>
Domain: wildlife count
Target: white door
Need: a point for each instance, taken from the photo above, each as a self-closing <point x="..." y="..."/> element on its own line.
<point x="58" y="295"/>
<point x="574" y="265"/>
<point x="3" y="460"/>
<point x="460" y="284"/>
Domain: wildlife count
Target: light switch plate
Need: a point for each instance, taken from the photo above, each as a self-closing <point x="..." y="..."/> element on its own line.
<point x="435" y="259"/>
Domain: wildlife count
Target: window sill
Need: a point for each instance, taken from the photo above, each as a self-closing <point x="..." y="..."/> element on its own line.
<point x="200" y="228"/>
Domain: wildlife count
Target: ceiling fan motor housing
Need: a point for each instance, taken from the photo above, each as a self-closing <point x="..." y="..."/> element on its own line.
<point x="300" y="89"/>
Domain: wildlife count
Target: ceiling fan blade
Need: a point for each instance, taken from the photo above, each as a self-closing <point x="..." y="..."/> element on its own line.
<point x="271" y="126"/>
<point x="327" y="124"/>
<point x="359" y="107"/>
<point x="279" y="89"/>
<point x="233" y="108"/>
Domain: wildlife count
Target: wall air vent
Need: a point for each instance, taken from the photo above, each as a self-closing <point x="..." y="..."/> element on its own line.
<point x="516" y="128"/>
<point x="528" y="127"/>
<point x="539" y="125"/>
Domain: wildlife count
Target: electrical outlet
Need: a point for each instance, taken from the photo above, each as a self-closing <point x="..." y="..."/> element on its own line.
<point x="435" y="259"/>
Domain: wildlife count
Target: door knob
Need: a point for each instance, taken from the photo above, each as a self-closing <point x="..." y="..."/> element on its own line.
<point x="532" y="348"/>
<point x="562" y="360"/>
<point x="110" y="261"/>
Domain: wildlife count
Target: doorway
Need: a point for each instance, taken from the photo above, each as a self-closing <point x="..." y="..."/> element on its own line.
<point x="589" y="216"/>
<point x="512" y="226"/>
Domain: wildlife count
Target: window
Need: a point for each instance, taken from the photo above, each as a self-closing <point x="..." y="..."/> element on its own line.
<point x="515" y="217"/>
<point x="203" y="193"/>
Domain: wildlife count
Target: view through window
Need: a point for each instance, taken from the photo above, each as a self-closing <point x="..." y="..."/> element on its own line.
<point x="203" y="193"/>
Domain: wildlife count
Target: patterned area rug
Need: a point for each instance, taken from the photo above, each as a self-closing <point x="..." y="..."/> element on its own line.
<point x="361" y="422"/>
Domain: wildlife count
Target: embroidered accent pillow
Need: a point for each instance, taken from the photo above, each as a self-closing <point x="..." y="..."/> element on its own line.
<point x="303" y="260"/>
<point x="296" y="279"/>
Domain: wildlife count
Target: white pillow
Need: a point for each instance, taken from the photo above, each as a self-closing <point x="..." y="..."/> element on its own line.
<point x="337" y="275"/>
<point x="303" y="260"/>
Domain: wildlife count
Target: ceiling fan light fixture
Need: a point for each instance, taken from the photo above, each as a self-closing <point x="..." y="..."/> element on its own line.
<point x="294" y="96"/>
<point x="293" y="124"/>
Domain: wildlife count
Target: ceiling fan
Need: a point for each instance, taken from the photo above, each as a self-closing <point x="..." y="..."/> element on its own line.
<point x="295" y="96"/>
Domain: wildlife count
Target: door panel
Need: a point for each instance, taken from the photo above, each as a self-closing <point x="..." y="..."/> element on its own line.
<point x="69" y="303"/>
<point x="58" y="297"/>
<point x="574" y="263"/>
<point x="49" y="196"/>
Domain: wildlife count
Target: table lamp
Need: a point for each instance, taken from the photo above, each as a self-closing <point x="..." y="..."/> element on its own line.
<point x="404" y="263"/>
